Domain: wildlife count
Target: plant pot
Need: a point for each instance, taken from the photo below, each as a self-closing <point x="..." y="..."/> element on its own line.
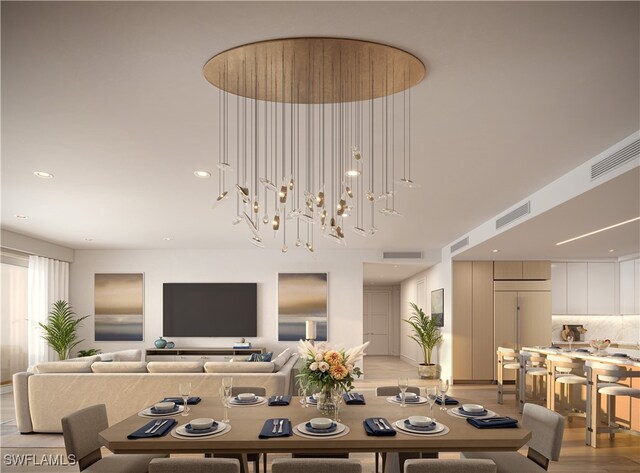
<point x="429" y="371"/>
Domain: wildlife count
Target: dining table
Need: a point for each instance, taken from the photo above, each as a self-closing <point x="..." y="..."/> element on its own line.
<point x="246" y="422"/>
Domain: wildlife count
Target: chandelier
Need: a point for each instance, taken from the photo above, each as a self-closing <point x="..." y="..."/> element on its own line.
<point x="313" y="133"/>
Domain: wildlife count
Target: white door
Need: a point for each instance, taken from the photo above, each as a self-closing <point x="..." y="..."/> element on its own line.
<point x="377" y="312"/>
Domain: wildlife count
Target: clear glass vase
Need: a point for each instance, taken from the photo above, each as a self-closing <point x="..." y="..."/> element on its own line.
<point x="326" y="403"/>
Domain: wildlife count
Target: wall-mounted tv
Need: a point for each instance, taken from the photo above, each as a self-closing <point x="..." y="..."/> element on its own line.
<point x="210" y="310"/>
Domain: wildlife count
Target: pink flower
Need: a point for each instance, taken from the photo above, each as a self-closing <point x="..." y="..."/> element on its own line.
<point x="323" y="366"/>
<point x="313" y="366"/>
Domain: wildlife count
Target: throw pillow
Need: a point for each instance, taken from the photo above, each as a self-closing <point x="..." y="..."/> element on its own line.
<point x="261" y="356"/>
<point x="280" y="360"/>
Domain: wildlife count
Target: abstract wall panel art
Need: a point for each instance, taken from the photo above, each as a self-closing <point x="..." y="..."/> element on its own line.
<point x="302" y="297"/>
<point x="119" y="307"/>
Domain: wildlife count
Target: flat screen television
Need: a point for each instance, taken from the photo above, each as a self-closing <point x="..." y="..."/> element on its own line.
<point x="210" y="310"/>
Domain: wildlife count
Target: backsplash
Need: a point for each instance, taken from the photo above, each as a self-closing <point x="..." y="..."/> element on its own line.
<point x="618" y="328"/>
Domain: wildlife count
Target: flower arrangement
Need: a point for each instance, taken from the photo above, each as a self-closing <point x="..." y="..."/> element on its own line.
<point x="325" y="368"/>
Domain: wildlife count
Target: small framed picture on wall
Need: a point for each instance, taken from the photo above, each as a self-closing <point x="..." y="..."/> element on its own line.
<point x="437" y="306"/>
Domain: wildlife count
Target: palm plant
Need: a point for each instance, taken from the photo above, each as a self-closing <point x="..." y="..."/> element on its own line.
<point x="425" y="331"/>
<point x="60" y="330"/>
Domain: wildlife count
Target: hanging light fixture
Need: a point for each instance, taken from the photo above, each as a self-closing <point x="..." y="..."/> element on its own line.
<point x="315" y="130"/>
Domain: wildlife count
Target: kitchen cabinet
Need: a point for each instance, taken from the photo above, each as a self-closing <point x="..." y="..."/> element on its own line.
<point x="507" y="270"/>
<point x="601" y="284"/>
<point x="536" y="270"/>
<point x="630" y="287"/>
<point x="521" y="270"/>
<point x="559" y="288"/>
<point x="585" y="288"/>
<point x="577" y="288"/>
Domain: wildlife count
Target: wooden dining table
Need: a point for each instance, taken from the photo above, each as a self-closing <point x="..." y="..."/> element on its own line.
<point x="247" y="421"/>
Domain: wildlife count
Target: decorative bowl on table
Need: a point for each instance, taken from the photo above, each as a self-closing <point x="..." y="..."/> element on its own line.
<point x="164" y="406"/>
<point x="321" y="423"/>
<point x="600" y="345"/>
<point x="420" y="421"/>
<point x="201" y="423"/>
<point x="473" y="408"/>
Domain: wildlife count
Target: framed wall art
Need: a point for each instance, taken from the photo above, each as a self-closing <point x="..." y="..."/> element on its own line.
<point x="437" y="306"/>
<point x="302" y="298"/>
<point x="119" y="307"/>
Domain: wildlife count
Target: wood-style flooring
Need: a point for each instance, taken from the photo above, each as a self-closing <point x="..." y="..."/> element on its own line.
<point x="619" y="455"/>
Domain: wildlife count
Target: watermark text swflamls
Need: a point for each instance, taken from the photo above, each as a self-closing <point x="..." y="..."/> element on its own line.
<point x="31" y="459"/>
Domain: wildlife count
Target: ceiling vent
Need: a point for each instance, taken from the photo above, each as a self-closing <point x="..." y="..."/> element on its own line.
<point x="515" y="214"/>
<point x="617" y="159"/>
<point x="402" y="255"/>
<point x="460" y="244"/>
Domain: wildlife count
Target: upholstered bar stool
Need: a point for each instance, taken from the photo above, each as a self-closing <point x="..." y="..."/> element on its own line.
<point x="604" y="378"/>
<point x="567" y="373"/>
<point x="531" y="364"/>
<point x="508" y="359"/>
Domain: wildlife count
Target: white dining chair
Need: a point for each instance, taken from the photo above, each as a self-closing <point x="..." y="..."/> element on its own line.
<point x="450" y="466"/>
<point x="547" y="430"/>
<point x="508" y="359"/>
<point x="315" y="465"/>
<point x="194" y="465"/>
<point x="80" y="433"/>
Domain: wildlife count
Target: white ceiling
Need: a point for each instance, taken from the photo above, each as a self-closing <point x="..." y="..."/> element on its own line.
<point x="110" y="97"/>
<point x="388" y="274"/>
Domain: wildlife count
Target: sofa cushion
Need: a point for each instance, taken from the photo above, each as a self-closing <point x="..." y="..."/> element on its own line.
<point x="127" y="355"/>
<point x="174" y="367"/>
<point x="240" y="358"/>
<point x="261" y="356"/>
<point x="225" y="367"/>
<point x="119" y="367"/>
<point x="281" y="359"/>
<point x="64" y="367"/>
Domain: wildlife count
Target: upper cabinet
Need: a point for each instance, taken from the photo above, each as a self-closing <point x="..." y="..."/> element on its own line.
<point x="520" y="270"/>
<point x="584" y="288"/>
<point x="630" y="287"/>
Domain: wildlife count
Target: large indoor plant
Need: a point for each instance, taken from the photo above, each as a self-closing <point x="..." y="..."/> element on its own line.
<point x="427" y="334"/>
<point x="60" y="329"/>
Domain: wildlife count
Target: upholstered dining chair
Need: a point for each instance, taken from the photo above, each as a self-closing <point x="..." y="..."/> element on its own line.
<point x="315" y="465"/>
<point x="547" y="429"/>
<point x="80" y="432"/>
<point x="449" y="466"/>
<point x="194" y="465"/>
<point x="392" y="391"/>
<point x="251" y="457"/>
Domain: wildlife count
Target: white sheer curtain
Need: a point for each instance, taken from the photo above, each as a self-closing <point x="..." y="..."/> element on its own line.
<point x="48" y="283"/>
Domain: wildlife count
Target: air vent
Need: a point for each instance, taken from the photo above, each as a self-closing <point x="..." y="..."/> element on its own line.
<point x="402" y="255"/>
<point x="617" y="159"/>
<point x="515" y="214"/>
<point x="456" y="246"/>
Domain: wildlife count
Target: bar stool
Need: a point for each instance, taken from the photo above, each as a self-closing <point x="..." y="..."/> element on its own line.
<point x="603" y="378"/>
<point x="562" y="370"/>
<point x="533" y="365"/>
<point x="508" y="359"/>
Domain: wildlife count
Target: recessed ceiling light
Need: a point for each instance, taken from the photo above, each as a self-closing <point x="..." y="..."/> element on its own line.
<point x="167" y="238"/>
<point x="43" y="174"/>
<point x="202" y="174"/>
<point x="495" y="251"/>
<point x="21" y="216"/>
<point x="598" y="231"/>
<point x="611" y="251"/>
<point x="395" y="266"/>
<point x="88" y="239"/>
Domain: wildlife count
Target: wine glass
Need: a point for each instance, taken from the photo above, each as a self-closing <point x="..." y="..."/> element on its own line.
<point x="403" y="384"/>
<point x="225" y="403"/>
<point x="432" y="395"/>
<point x="336" y="398"/>
<point x="570" y="340"/>
<point x="185" y="391"/>
<point x="302" y="392"/>
<point x="443" y="387"/>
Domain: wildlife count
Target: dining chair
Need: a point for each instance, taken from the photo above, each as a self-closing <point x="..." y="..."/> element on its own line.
<point x="547" y="429"/>
<point x="80" y="433"/>
<point x="194" y="465"/>
<point x="392" y="391"/>
<point x="534" y="367"/>
<point x="607" y="383"/>
<point x="315" y="465"/>
<point x="450" y="466"/>
<point x="251" y="457"/>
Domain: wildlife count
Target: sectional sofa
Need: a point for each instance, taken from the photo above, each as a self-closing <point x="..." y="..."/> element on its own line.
<point x="126" y="385"/>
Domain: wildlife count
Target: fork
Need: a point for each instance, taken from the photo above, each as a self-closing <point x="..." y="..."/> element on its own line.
<point x="148" y="431"/>
<point x="375" y="421"/>
<point x="275" y="426"/>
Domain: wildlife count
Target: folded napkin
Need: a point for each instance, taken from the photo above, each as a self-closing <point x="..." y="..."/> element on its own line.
<point x="413" y="399"/>
<point x="279" y="400"/>
<point x="620" y="355"/>
<point x="160" y="432"/>
<point x="448" y="400"/>
<point x="178" y="400"/>
<point x="353" y="398"/>
<point x="582" y="350"/>
<point x="371" y="428"/>
<point x="267" y="429"/>
<point x="493" y="423"/>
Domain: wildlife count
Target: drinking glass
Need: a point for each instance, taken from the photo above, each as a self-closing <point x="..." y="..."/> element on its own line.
<point x="570" y="340"/>
<point x="185" y="391"/>
<point x="225" y="403"/>
<point x="443" y="387"/>
<point x="403" y="384"/>
<point x="432" y="395"/>
<point x="302" y="392"/>
<point x="336" y="398"/>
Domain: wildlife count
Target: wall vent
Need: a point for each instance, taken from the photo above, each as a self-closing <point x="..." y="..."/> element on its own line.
<point x="617" y="159"/>
<point x="402" y="255"/>
<point x="515" y="214"/>
<point x="459" y="244"/>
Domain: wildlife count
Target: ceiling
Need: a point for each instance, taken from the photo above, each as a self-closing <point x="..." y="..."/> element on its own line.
<point x="389" y="274"/>
<point x="110" y="98"/>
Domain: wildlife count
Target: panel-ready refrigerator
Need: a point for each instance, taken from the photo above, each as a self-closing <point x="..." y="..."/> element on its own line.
<point x="522" y="315"/>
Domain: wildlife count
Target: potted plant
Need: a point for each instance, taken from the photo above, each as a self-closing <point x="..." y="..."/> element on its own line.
<point x="427" y="334"/>
<point x="60" y="330"/>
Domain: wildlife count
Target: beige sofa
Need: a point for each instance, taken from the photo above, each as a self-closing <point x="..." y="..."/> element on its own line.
<point x="57" y="389"/>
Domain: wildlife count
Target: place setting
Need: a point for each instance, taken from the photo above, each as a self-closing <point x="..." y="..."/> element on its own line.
<point x="320" y="427"/>
<point x="421" y="426"/>
<point x="276" y="427"/>
<point x="162" y="409"/>
<point x="201" y="428"/>
<point x="354" y="399"/>
<point x="475" y="411"/>
<point x="378" y="427"/>
<point x="279" y="400"/>
<point x="409" y="399"/>
<point x="152" y="429"/>
<point x="246" y="400"/>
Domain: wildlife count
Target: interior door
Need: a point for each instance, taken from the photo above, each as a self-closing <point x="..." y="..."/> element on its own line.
<point x="504" y="323"/>
<point x="534" y="322"/>
<point x="377" y="312"/>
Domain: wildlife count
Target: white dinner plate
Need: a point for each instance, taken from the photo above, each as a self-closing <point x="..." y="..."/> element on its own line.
<point x="400" y="425"/>
<point x="257" y="401"/>
<point x="147" y="412"/>
<point x="339" y="429"/>
<point x="181" y="433"/>
<point x="455" y="412"/>
<point x="421" y="400"/>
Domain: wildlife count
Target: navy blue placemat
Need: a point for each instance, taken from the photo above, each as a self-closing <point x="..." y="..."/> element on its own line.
<point x="372" y="429"/>
<point x="267" y="429"/>
<point x="493" y="423"/>
<point x="178" y="400"/>
<point x="448" y="400"/>
<point x="353" y="398"/>
<point x="279" y="400"/>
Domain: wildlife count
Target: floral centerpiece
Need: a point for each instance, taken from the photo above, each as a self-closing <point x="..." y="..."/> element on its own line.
<point x="326" y="369"/>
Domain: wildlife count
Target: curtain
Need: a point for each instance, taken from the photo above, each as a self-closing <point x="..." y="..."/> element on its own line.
<point x="48" y="283"/>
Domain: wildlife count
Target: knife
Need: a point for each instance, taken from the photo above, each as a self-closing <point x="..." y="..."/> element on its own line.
<point x="155" y="429"/>
<point x="384" y="424"/>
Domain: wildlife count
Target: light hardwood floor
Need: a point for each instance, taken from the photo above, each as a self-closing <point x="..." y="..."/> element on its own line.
<point x="619" y="455"/>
